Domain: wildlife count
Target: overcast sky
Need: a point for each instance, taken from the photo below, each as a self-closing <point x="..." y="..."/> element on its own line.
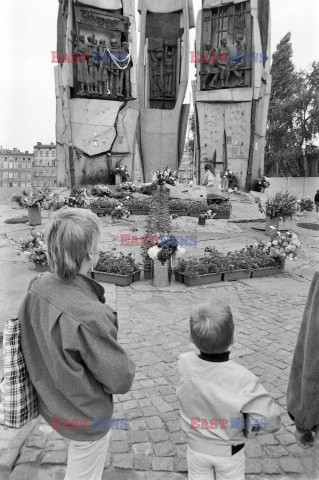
<point x="28" y="31"/>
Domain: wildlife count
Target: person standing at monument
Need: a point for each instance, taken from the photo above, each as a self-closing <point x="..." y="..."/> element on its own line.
<point x="317" y="201"/>
<point x="69" y="342"/>
<point x="211" y="183"/>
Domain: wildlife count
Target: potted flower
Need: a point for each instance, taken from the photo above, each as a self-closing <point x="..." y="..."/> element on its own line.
<point x="78" y="198"/>
<point x="138" y="206"/>
<point x="229" y="180"/>
<point x="119" y="269"/>
<point x="261" y="184"/>
<point x="165" y="177"/>
<point x="32" y="200"/>
<point x="280" y="206"/>
<point x="100" y="191"/>
<point x="121" y="174"/>
<point x="195" y="208"/>
<point x="161" y="254"/>
<point x="221" y="210"/>
<point x="202" y="270"/>
<point x="119" y="212"/>
<point x="306" y="205"/>
<point x="127" y="187"/>
<point x="35" y="249"/>
<point x="282" y="246"/>
<point x="237" y="265"/>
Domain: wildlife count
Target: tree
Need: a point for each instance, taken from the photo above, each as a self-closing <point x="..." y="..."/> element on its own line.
<point x="293" y="121"/>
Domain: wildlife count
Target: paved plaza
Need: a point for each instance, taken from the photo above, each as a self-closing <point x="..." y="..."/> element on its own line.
<point x="154" y="330"/>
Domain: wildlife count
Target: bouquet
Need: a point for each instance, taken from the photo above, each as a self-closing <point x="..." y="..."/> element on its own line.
<point x="120" y="211"/>
<point x="281" y="246"/>
<point x="261" y="184"/>
<point x="122" y="171"/>
<point x="127" y="187"/>
<point x="165" y="177"/>
<point x="33" y="197"/>
<point x="282" y="205"/>
<point x="167" y="246"/>
<point x="100" y="191"/>
<point x="34" y="248"/>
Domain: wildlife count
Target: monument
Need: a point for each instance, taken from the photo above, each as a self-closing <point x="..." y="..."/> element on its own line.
<point x="96" y="90"/>
<point x="163" y="68"/>
<point x="232" y="88"/>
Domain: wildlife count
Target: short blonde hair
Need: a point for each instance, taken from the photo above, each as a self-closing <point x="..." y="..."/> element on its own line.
<point x="70" y="236"/>
<point x="212" y="328"/>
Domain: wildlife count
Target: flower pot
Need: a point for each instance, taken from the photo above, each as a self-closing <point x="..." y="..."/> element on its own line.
<point x="139" y="212"/>
<point x="115" y="279"/>
<point x="42" y="268"/>
<point x="236" y="275"/>
<point x="34" y="214"/>
<point x="271" y="222"/>
<point x="99" y="211"/>
<point x="202" y="279"/>
<point x="194" y="214"/>
<point x="148" y="274"/>
<point x="162" y="274"/>
<point x="179" y="277"/>
<point x="264" y="272"/>
<point x="179" y="213"/>
<point x="201" y="221"/>
<point x="137" y="276"/>
<point x="118" y="179"/>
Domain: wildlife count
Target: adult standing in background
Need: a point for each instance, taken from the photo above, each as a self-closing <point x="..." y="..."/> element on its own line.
<point x="211" y="183"/>
<point x="317" y="201"/>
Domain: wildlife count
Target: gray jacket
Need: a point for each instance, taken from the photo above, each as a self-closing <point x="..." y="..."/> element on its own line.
<point x="69" y="341"/>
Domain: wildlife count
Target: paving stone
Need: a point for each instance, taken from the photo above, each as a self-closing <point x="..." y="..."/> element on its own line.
<point x="135" y="413"/>
<point x="275" y="451"/>
<point x="118" y="434"/>
<point x="286" y="439"/>
<point x="57" y="458"/>
<point x="142" y="462"/>
<point x="56" y="445"/>
<point x="138" y="424"/>
<point x="119" y="447"/>
<point x="123" y="460"/>
<point x="174" y="426"/>
<point x="164" y="449"/>
<point x="267" y="439"/>
<point x="178" y="437"/>
<point x="163" y="463"/>
<point x="270" y="466"/>
<point x="138" y="436"/>
<point x="158" y="435"/>
<point x="36" y="441"/>
<point x="150" y="411"/>
<point x="181" y="465"/>
<point x="291" y="465"/>
<point x="253" y="449"/>
<point x="153" y="422"/>
<point x="253" y="466"/>
<point x="144" y="448"/>
<point x="29" y="455"/>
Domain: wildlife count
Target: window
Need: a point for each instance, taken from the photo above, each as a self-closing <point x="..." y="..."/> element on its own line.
<point x="29" y="158"/>
<point x="28" y="176"/>
<point x="40" y="183"/>
<point x="5" y="164"/>
<point x="50" y="183"/>
<point x="35" y="183"/>
<point x="16" y="165"/>
<point x="40" y="162"/>
<point x="47" y="173"/>
<point x="23" y="184"/>
<point x="10" y="164"/>
<point x="15" y="175"/>
<point x="5" y="175"/>
<point x="29" y="184"/>
<point x="47" y="153"/>
<point x="29" y="165"/>
<point x="41" y="153"/>
<point x="36" y="173"/>
<point x="23" y="175"/>
<point x="6" y="184"/>
<point x="15" y="184"/>
<point x="53" y="153"/>
<point x="10" y="175"/>
<point x="41" y="173"/>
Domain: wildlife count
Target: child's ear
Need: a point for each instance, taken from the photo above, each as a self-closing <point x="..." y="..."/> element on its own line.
<point x="90" y="256"/>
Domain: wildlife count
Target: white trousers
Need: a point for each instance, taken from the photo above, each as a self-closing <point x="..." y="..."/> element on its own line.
<point x="86" y="460"/>
<point x="208" y="467"/>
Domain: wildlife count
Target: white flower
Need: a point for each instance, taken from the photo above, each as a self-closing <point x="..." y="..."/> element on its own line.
<point x="153" y="252"/>
<point x="268" y="244"/>
<point x="273" y="228"/>
<point x="180" y="251"/>
<point x="275" y="242"/>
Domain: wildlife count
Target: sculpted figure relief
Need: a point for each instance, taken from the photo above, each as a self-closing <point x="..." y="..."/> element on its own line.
<point x="82" y="67"/>
<point x="156" y="73"/>
<point x="168" y="71"/>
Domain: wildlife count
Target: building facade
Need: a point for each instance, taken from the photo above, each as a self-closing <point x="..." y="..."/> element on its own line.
<point x="15" y="168"/>
<point x="44" y="170"/>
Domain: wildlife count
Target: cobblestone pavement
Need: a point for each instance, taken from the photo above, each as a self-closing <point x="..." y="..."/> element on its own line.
<point x="154" y="329"/>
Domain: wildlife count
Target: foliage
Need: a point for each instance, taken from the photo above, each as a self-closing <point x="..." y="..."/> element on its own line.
<point x="54" y="202"/>
<point x="148" y="188"/>
<point x="177" y="204"/>
<point x="281" y="205"/>
<point x="281" y="246"/>
<point x="167" y="246"/>
<point x="122" y="171"/>
<point x="306" y="205"/>
<point x="138" y="204"/>
<point x="293" y="120"/>
<point x="108" y="204"/>
<point x="77" y="198"/>
<point x="261" y="184"/>
<point x="127" y="187"/>
<point x="100" y="191"/>
<point x="34" y="247"/>
<point x="120" y="264"/>
<point x="196" y="206"/>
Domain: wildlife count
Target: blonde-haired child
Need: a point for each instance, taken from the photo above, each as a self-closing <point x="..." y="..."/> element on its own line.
<point x="69" y="341"/>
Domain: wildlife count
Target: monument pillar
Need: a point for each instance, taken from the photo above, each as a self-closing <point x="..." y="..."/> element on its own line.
<point x="233" y="86"/>
<point x="96" y="90"/>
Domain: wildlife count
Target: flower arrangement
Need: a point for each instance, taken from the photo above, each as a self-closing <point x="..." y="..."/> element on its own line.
<point x="33" y="197"/>
<point x="224" y="207"/>
<point x="160" y="178"/>
<point x="108" y="204"/>
<point x="54" y="202"/>
<point x="77" y="198"/>
<point x="231" y="177"/>
<point x="177" y="204"/>
<point x="196" y="206"/>
<point x="166" y="247"/>
<point x="127" y="187"/>
<point x="122" y="171"/>
<point x="120" y="211"/>
<point x="282" y="205"/>
<point x="34" y="248"/>
<point x="120" y="264"/>
<point x="261" y="184"/>
<point x="306" y="204"/>
<point x="208" y="214"/>
<point x="100" y="191"/>
<point x="17" y="198"/>
<point x="282" y="246"/>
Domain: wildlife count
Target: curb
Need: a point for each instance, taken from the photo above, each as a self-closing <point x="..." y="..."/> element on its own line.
<point x="10" y="454"/>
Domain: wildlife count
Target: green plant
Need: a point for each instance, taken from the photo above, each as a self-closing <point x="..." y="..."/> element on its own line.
<point x="165" y="177"/>
<point x="120" y="211"/>
<point x="120" y="264"/>
<point x="34" y="197"/>
<point x="306" y="205"/>
<point x="100" y="191"/>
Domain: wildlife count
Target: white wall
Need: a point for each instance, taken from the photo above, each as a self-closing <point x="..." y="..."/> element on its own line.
<point x="300" y="186"/>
